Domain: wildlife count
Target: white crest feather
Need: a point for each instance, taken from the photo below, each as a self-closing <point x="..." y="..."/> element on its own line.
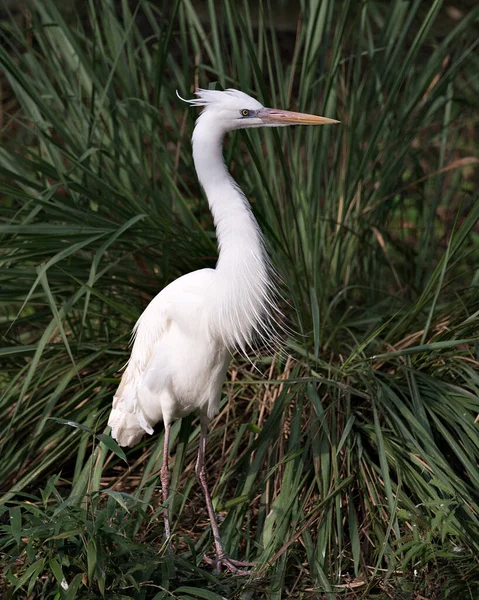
<point x="229" y="97"/>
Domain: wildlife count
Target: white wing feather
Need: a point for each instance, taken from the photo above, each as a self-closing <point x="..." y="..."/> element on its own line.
<point x="172" y="353"/>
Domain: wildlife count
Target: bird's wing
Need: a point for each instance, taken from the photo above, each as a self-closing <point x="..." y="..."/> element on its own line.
<point x="147" y="372"/>
<point x="128" y="419"/>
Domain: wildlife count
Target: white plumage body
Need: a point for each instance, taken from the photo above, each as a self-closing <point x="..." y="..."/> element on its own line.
<point x="177" y="363"/>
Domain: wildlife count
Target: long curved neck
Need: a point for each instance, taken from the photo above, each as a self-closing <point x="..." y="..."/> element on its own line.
<point x="237" y="231"/>
<point x="242" y="299"/>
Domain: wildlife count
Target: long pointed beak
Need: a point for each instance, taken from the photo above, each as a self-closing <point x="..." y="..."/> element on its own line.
<point x="274" y="116"/>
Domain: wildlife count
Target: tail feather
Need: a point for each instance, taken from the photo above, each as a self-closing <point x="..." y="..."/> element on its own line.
<point x="127" y="420"/>
<point x="125" y="427"/>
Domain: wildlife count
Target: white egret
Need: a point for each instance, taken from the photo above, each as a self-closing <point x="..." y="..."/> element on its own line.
<point x="184" y="339"/>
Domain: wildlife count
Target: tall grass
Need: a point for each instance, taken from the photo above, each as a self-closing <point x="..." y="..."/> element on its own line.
<point x="350" y="466"/>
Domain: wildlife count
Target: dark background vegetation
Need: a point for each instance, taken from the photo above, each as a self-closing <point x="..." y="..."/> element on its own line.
<point x="345" y="465"/>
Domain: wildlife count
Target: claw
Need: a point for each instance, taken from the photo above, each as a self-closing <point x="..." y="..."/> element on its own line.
<point x="230" y="564"/>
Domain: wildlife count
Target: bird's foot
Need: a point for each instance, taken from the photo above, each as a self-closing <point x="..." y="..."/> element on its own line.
<point x="230" y="564"/>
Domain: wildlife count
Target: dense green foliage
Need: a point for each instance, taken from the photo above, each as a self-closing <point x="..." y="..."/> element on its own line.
<point x="348" y="464"/>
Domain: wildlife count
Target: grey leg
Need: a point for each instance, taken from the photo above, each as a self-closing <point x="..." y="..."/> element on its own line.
<point x="221" y="558"/>
<point x="165" y="483"/>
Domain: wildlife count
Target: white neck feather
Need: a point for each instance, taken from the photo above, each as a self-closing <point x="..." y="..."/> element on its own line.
<point x="243" y="302"/>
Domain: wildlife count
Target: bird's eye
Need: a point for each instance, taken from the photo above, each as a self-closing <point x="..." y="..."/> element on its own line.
<point x="245" y="112"/>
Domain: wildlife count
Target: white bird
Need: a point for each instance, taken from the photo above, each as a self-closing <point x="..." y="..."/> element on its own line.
<point x="184" y="340"/>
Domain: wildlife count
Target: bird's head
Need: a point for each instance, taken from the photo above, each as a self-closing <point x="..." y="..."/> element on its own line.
<point x="233" y="109"/>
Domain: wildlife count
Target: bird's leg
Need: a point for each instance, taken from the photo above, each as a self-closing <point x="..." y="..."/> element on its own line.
<point x="221" y="558"/>
<point x="165" y="483"/>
